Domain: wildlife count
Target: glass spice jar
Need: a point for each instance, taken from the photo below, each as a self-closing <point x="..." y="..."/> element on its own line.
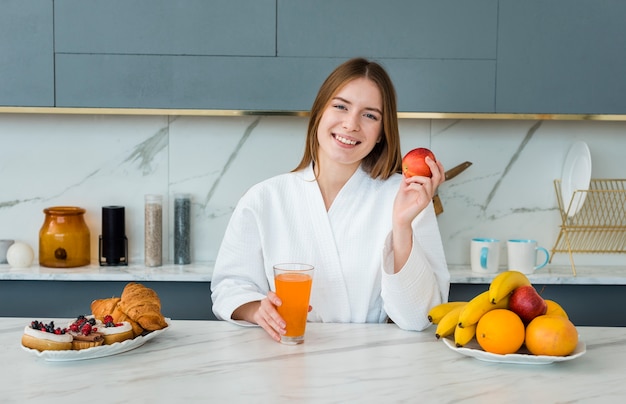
<point x="182" y="229"/>
<point x="64" y="238"/>
<point x="153" y="230"/>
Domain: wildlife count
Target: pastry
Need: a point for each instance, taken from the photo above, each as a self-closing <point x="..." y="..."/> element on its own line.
<point x="114" y="331"/>
<point x="45" y="337"/>
<point x="142" y="305"/>
<point x="104" y="307"/>
<point x="83" y="333"/>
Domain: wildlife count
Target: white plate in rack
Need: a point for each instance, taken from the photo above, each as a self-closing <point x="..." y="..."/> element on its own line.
<point x="99" y="351"/>
<point x="473" y="350"/>
<point x="576" y="176"/>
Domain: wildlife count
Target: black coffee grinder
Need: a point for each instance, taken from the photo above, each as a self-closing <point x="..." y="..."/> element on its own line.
<point x="113" y="246"/>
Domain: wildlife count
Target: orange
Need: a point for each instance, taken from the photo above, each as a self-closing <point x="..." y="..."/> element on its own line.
<point x="555" y="308"/>
<point x="500" y="331"/>
<point x="552" y="335"/>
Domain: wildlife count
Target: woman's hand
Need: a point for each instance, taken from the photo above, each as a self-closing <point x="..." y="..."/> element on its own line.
<point x="263" y="312"/>
<point x="414" y="194"/>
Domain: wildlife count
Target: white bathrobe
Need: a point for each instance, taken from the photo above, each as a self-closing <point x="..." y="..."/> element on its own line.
<point x="283" y="219"/>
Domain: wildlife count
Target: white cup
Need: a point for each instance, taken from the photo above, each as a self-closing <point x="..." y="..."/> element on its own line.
<point x="4" y="247"/>
<point x="485" y="255"/>
<point x="522" y="255"/>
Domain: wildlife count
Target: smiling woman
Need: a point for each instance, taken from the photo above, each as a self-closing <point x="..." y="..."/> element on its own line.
<point x="345" y="209"/>
<point x="349" y="129"/>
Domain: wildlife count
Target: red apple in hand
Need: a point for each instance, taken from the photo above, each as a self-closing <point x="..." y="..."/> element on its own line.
<point x="414" y="163"/>
<point x="527" y="303"/>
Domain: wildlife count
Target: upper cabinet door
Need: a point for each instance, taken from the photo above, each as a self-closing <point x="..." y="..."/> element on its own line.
<point x="562" y="56"/>
<point x="26" y="53"/>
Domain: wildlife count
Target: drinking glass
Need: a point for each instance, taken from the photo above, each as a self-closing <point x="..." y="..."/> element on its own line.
<point x="293" y="285"/>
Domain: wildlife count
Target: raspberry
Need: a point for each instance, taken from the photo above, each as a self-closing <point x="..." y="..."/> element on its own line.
<point x="107" y="319"/>
<point x="86" y="329"/>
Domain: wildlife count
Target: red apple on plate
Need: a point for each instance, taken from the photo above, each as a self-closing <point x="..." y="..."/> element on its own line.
<point x="527" y="303"/>
<point x="414" y="163"/>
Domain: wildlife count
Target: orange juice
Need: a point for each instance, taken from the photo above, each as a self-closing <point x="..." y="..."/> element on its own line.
<point x="294" y="289"/>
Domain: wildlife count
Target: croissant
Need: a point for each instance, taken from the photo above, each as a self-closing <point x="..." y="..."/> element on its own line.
<point x="142" y="305"/>
<point x="103" y="307"/>
<point x="111" y="306"/>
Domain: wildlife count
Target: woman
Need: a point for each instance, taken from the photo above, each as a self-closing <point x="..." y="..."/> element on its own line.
<point x="371" y="234"/>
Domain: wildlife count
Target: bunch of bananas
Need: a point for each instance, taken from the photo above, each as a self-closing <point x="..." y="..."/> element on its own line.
<point x="460" y="318"/>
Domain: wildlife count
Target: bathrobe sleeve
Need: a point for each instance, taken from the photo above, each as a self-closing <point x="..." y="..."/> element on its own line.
<point x="237" y="281"/>
<point x="423" y="282"/>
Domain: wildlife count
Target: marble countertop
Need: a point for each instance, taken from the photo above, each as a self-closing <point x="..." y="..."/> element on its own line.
<point x="552" y="274"/>
<point x="195" y="272"/>
<point x="202" y="272"/>
<point x="201" y="361"/>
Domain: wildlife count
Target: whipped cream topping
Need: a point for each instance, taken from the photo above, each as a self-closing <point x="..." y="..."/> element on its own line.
<point x="103" y="329"/>
<point x="47" y="335"/>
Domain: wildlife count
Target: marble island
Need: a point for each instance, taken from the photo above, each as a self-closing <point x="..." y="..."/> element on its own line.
<point x="200" y="361"/>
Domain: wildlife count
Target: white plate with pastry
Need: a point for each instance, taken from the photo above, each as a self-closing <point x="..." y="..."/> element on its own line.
<point x="100" y="351"/>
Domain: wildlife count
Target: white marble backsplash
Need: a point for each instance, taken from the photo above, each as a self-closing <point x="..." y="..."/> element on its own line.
<point x="93" y="161"/>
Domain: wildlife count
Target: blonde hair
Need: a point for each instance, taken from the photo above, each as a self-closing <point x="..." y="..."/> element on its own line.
<point x="386" y="158"/>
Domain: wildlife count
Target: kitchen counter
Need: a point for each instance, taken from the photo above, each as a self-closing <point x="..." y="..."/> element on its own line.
<point x="185" y="289"/>
<point x="551" y="275"/>
<point x="202" y="272"/>
<point x="215" y="361"/>
<point x="195" y="272"/>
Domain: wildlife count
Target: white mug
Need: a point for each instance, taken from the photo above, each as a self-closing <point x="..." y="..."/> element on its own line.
<point x="522" y="255"/>
<point x="485" y="255"/>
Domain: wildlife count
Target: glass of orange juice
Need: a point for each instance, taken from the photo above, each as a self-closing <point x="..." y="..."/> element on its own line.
<point x="293" y="285"/>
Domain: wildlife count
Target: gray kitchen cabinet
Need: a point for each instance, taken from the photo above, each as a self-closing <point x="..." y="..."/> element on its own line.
<point x="165" y="27"/>
<point x="561" y="56"/>
<point x="279" y="57"/>
<point x="448" y="29"/>
<point x="448" y="56"/>
<point x="200" y="82"/>
<point x="26" y="53"/>
<point x="191" y="82"/>
<point x="192" y="300"/>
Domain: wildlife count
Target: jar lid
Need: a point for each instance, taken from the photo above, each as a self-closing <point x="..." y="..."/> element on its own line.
<point x="64" y="210"/>
<point x="153" y="198"/>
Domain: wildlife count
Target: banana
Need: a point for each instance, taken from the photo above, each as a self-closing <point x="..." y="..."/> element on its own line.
<point x="464" y="335"/>
<point x="479" y="305"/>
<point x="436" y="313"/>
<point x="505" y="283"/>
<point x="448" y="323"/>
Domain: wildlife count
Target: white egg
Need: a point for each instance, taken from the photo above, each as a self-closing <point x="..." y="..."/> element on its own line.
<point x="20" y="255"/>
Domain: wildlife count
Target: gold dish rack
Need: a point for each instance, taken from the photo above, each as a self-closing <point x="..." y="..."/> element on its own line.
<point x="598" y="225"/>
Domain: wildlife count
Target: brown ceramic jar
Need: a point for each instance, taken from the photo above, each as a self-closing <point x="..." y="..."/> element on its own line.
<point x="64" y="239"/>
